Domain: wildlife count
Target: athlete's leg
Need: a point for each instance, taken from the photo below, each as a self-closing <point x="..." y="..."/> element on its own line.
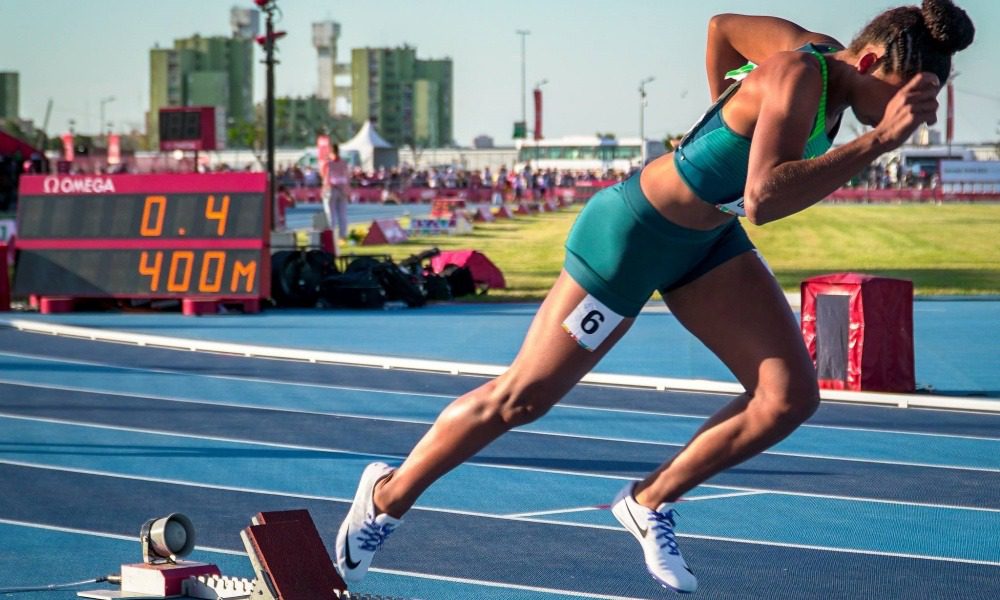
<point x="740" y="313"/>
<point x="548" y="365"/>
<point x="327" y="195"/>
<point x="340" y="206"/>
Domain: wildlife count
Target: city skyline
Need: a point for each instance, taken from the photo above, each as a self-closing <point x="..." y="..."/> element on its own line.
<point x="591" y="54"/>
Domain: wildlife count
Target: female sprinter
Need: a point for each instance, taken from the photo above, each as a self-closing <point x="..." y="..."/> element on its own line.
<point x="763" y="150"/>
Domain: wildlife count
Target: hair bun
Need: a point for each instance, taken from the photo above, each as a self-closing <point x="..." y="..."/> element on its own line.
<point x="948" y="24"/>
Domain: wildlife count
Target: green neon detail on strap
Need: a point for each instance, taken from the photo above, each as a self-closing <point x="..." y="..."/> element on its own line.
<point x="742" y="72"/>
<point x="820" y="128"/>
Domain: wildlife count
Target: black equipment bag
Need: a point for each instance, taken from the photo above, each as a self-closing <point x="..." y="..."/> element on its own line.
<point x="399" y="285"/>
<point x="459" y="280"/>
<point x="296" y="276"/>
<point x="354" y="289"/>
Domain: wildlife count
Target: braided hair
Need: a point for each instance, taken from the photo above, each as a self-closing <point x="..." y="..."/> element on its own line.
<point x="918" y="38"/>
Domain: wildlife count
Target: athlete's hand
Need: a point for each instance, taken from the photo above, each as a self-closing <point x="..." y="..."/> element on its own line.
<point x="915" y="103"/>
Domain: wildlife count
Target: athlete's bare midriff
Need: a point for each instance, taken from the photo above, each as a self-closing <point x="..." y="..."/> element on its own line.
<point x="672" y="198"/>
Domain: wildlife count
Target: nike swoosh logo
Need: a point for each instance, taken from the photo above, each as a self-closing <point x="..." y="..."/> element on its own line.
<point x="642" y="530"/>
<point x="347" y="549"/>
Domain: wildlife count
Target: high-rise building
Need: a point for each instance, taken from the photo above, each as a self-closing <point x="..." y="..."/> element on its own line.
<point x="409" y="101"/>
<point x="325" y="35"/>
<point x="213" y="71"/>
<point x="245" y="22"/>
<point x="10" y="91"/>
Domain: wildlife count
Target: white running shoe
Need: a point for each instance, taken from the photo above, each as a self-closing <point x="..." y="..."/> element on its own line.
<point x="363" y="532"/>
<point x="655" y="531"/>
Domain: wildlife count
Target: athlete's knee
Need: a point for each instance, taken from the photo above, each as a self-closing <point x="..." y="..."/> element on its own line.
<point x="788" y="402"/>
<point x="514" y="403"/>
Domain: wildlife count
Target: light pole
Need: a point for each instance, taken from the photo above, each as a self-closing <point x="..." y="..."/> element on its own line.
<point x="104" y="101"/>
<point x="268" y="42"/>
<point x="524" y="33"/>
<point x="537" y="133"/>
<point x="538" y="110"/>
<point x="642" y="120"/>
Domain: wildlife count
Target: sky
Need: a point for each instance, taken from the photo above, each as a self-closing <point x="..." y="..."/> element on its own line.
<point x="592" y="53"/>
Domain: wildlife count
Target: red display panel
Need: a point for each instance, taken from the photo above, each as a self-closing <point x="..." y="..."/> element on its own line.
<point x="143" y="236"/>
<point x="190" y="128"/>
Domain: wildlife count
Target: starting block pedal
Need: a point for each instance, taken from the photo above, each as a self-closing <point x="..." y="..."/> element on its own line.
<point x="289" y="558"/>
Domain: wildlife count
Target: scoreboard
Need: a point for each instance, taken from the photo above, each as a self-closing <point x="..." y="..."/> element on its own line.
<point x="192" y="128"/>
<point x="143" y="236"/>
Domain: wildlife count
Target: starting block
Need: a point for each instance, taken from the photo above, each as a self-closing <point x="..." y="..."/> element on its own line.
<point x="289" y="560"/>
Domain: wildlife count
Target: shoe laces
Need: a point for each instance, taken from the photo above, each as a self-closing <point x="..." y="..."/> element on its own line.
<point x="373" y="535"/>
<point x="663" y="524"/>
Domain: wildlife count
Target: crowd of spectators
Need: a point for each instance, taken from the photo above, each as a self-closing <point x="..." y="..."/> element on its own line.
<point x="883" y="177"/>
<point x="504" y="180"/>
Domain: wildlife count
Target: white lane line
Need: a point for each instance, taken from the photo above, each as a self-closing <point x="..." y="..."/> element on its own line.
<point x="317" y="449"/>
<point x="719" y="496"/>
<point x="557" y="511"/>
<point x="596" y="526"/>
<point x="558" y="407"/>
<point x="829" y="457"/>
<point x="456" y="368"/>
<point x="471" y="462"/>
<point x="565" y="511"/>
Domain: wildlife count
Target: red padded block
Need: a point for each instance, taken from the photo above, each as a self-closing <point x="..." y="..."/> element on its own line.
<point x="878" y="354"/>
<point x="289" y="548"/>
<point x="193" y="307"/>
<point x="49" y="305"/>
<point x="4" y="280"/>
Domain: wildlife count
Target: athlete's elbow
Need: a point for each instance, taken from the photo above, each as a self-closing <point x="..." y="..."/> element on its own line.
<point x="755" y="207"/>
<point x="719" y="21"/>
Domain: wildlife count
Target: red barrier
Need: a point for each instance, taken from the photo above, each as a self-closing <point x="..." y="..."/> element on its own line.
<point x="4" y="279"/>
<point x="366" y="194"/>
<point x="908" y="195"/>
<point x="859" y="331"/>
<point x="307" y="194"/>
<point x="384" y="231"/>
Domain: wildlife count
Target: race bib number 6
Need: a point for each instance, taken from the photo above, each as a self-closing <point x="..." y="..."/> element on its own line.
<point x="591" y="322"/>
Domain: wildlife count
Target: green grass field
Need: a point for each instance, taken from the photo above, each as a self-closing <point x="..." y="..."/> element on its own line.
<point x="948" y="249"/>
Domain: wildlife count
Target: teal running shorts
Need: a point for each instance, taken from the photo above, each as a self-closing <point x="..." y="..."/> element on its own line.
<point x="621" y="249"/>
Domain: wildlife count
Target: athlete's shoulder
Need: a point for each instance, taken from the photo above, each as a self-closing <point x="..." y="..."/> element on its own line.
<point x="788" y="67"/>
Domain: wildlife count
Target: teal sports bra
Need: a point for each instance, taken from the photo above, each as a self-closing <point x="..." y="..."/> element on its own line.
<point x="712" y="158"/>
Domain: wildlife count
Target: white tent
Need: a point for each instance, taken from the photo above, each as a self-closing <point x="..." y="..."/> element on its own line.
<point x="369" y="150"/>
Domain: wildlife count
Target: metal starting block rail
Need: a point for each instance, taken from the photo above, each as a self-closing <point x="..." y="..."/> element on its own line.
<point x="232" y="588"/>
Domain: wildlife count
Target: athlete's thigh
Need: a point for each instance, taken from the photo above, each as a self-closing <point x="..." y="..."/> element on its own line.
<point x="738" y="310"/>
<point x="550" y="359"/>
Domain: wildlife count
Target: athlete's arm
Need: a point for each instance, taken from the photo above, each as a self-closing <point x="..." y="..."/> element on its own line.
<point x="733" y="40"/>
<point x="779" y="181"/>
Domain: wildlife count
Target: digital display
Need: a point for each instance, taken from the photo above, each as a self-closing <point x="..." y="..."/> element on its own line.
<point x="177" y="125"/>
<point x="143" y="236"/>
<point x="189" y="128"/>
<point x="151" y="216"/>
